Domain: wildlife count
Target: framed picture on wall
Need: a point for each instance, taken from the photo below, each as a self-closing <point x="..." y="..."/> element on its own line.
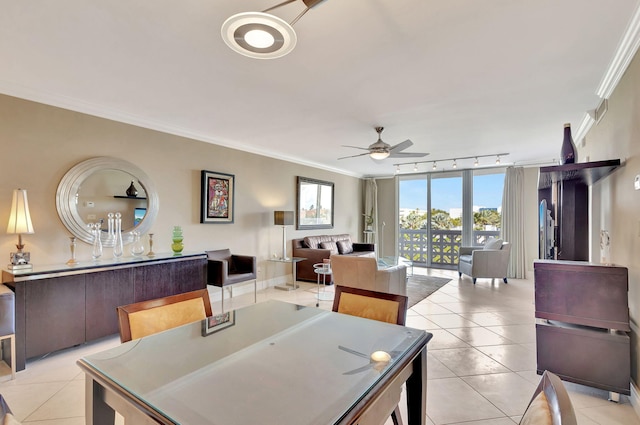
<point x="315" y="204"/>
<point x="216" y="203"/>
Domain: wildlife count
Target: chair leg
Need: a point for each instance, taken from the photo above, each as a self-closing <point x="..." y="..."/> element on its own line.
<point x="395" y="416"/>
<point x="474" y="280"/>
<point x="505" y="280"/>
<point x="459" y="274"/>
<point x="222" y="297"/>
<point x="12" y="341"/>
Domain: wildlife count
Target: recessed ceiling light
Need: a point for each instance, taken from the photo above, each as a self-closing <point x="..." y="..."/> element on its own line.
<point x="258" y="35"/>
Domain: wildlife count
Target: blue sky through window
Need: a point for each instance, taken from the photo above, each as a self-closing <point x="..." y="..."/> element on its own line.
<point x="447" y="193"/>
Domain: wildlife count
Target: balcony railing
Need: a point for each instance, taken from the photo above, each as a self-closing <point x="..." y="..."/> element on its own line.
<point x="443" y="249"/>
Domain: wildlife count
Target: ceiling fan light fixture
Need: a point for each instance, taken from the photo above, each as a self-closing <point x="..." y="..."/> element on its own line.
<point x="258" y="35"/>
<point x="378" y="155"/>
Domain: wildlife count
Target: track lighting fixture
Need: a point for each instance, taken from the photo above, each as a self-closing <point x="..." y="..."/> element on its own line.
<point x="454" y="165"/>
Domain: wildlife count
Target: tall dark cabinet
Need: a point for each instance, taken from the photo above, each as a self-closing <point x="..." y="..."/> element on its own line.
<point x="582" y="331"/>
<point x="565" y="191"/>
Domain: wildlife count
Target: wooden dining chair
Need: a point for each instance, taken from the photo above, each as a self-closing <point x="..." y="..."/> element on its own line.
<point x="149" y="317"/>
<point x="381" y="306"/>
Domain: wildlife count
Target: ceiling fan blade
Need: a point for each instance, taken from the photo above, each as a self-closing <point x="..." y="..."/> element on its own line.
<point x="355" y="147"/>
<point x="407" y="154"/>
<point x="353" y="156"/>
<point x="401" y="146"/>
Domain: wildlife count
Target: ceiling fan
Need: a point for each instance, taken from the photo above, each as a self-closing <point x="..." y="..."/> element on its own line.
<point x="381" y="150"/>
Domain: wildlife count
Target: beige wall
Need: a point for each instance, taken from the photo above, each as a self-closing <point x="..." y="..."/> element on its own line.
<point x="41" y="143"/>
<point x="616" y="205"/>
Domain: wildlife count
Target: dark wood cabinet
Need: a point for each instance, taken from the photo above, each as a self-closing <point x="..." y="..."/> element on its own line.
<point x="104" y="292"/>
<point x="582" y="334"/>
<point x="60" y="307"/>
<point x="55" y="314"/>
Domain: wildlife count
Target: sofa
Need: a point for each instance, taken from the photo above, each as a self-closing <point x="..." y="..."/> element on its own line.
<point x="364" y="273"/>
<point x="317" y="248"/>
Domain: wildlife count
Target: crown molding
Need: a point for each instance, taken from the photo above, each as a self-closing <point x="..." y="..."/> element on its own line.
<point x="625" y="52"/>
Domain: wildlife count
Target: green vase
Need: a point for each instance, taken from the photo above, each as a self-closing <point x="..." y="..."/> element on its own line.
<point x="177" y="246"/>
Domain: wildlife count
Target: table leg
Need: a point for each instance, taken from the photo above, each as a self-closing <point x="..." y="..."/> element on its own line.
<point x="417" y="391"/>
<point x="97" y="411"/>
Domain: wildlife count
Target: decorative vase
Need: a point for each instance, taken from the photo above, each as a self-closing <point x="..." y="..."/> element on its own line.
<point x="605" y="243"/>
<point x="136" y="247"/>
<point x="568" y="152"/>
<point x="177" y="245"/>
<point x="118" y="249"/>
<point x="132" y="191"/>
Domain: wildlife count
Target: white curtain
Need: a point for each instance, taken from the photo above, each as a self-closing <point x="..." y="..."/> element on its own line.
<point x="371" y="206"/>
<point x="513" y="220"/>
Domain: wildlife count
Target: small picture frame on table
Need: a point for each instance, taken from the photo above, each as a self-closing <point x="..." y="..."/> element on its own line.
<point x="218" y="322"/>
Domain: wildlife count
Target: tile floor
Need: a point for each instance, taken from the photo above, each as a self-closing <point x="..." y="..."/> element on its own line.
<point x="481" y="361"/>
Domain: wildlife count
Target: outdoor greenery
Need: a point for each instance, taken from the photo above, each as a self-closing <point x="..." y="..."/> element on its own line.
<point x="441" y="220"/>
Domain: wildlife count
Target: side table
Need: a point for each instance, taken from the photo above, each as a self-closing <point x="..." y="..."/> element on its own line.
<point x="293" y="260"/>
<point x="322" y="269"/>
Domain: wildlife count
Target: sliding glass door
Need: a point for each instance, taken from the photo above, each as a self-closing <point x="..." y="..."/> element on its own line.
<point x="439" y="212"/>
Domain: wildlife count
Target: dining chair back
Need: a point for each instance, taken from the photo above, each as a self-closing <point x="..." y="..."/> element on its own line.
<point x="149" y="317"/>
<point x="381" y="306"/>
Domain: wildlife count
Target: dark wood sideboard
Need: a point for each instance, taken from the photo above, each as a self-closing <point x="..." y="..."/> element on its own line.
<point x="61" y="306"/>
<point x="583" y="336"/>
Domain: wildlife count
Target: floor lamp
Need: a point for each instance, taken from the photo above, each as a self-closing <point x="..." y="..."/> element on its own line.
<point x="283" y="218"/>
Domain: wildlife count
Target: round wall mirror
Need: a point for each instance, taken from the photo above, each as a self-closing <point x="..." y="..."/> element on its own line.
<point x="96" y="187"/>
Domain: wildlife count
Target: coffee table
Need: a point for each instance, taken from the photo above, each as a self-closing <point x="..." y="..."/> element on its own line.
<point x="391" y="261"/>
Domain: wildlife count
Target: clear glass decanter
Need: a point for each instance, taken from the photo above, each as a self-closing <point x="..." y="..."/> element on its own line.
<point x="136" y="247"/>
<point x="96" y="249"/>
<point x="117" y="242"/>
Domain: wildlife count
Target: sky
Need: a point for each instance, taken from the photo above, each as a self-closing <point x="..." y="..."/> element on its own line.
<point x="447" y="192"/>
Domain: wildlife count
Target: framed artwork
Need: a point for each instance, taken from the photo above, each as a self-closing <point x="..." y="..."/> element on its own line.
<point x="315" y="204"/>
<point x="218" y="322"/>
<point x="216" y="204"/>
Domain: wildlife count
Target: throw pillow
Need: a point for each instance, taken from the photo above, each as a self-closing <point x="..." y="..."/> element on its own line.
<point x="311" y="242"/>
<point x="493" y="243"/>
<point x="331" y="246"/>
<point x="345" y="246"/>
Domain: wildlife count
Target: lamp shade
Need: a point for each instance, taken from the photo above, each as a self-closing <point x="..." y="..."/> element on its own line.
<point x="20" y="219"/>
<point x="283" y="218"/>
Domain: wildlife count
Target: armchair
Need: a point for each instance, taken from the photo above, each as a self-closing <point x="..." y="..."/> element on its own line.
<point x="225" y="269"/>
<point x="363" y="273"/>
<point x="490" y="261"/>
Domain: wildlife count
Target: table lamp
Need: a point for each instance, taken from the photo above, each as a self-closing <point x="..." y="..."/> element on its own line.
<point x="20" y="223"/>
<point x="283" y="218"/>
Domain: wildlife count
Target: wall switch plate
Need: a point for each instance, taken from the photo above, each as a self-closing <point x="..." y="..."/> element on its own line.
<point x="636" y="183"/>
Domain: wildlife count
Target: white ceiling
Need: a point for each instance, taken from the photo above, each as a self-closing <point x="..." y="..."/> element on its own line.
<point x="457" y="77"/>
